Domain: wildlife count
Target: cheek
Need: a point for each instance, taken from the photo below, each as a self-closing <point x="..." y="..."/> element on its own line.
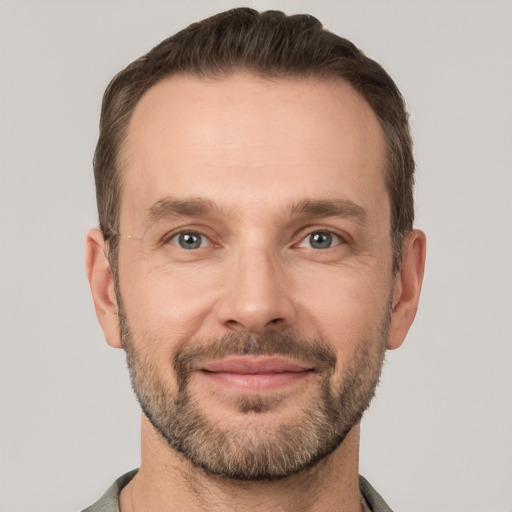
<point x="344" y="306"/>
<point x="161" y="302"/>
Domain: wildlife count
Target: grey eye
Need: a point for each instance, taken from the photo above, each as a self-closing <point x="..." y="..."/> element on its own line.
<point x="320" y="240"/>
<point x="189" y="240"/>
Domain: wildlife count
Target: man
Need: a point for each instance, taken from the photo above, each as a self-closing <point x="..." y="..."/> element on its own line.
<point x="255" y="260"/>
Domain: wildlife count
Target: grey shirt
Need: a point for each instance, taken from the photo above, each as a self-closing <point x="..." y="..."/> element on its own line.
<point x="109" y="502"/>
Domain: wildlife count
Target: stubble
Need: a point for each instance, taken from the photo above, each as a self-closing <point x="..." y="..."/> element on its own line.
<point x="253" y="450"/>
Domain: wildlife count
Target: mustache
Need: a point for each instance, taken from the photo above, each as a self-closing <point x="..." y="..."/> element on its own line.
<point x="311" y="351"/>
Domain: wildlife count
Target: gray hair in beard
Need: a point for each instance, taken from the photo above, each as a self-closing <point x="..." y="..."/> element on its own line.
<point x="254" y="451"/>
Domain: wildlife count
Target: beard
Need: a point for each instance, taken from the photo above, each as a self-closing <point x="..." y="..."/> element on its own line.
<point x="253" y="450"/>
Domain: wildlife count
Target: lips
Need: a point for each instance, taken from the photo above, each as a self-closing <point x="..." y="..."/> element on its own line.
<point x="255" y="374"/>
<point x="254" y="365"/>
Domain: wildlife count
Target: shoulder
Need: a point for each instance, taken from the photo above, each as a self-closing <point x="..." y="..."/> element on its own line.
<point x="109" y="502"/>
<point x="372" y="497"/>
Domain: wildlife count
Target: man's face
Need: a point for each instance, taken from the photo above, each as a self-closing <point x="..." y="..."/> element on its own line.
<point x="254" y="267"/>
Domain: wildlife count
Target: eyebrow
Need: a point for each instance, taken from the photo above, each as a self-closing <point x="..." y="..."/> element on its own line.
<point x="344" y="208"/>
<point x="169" y="207"/>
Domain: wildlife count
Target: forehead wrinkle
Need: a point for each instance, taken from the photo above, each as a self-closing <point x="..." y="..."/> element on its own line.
<point x="344" y="208"/>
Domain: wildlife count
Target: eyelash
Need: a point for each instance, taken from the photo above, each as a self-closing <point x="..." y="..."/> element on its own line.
<point x="187" y="232"/>
<point x="341" y="239"/>
<point x="322" y="232"/>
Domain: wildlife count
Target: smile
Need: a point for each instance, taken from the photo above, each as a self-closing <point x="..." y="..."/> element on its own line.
<point x="255" y="374"/>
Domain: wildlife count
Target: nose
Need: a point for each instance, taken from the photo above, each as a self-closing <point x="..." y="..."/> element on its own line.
<point x="257" y="293"/>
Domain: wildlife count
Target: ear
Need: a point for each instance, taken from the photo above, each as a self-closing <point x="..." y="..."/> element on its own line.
<point x="101" y="282"/>
<point x="407" y="287"/>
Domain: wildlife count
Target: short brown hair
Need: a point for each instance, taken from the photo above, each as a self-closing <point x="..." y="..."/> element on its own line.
<point x="270" y="44"/>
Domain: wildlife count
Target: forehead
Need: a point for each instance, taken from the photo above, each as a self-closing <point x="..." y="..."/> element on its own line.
<point x="245" y="140"/>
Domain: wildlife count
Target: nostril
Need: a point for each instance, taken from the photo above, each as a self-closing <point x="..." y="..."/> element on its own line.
<point x="234" y="325"/>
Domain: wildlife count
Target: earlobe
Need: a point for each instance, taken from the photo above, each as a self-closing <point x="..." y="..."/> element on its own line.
<point x="407" y="288"/>
<point x="101" y="282"/>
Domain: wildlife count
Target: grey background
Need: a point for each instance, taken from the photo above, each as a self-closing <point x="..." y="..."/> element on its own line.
<point x="438" y="436"/>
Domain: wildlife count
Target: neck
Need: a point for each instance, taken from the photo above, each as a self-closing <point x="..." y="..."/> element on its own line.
<point x="166" y="481"/>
